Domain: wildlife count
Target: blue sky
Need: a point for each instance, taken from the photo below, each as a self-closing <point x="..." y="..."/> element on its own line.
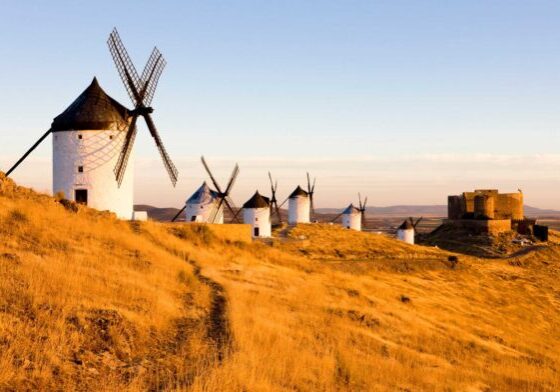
<point x="406" y="101"/>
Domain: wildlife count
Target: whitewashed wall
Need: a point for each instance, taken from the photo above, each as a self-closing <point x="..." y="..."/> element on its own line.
<point x="204" y="212"/>
<point x="258" y="217"/>
<point x="98" y="153"/>
<point x="298" y="210"/>
<point x="352" y="221"/>
<point x="406" y="235"/>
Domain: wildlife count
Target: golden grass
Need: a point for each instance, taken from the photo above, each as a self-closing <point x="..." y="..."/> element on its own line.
<point x="89" y="302"/>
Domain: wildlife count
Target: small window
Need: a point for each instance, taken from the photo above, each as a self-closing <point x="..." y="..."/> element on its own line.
<point x="79" y="136"/>
<point x="111" y="137"/>
<point x="80" y="169"/>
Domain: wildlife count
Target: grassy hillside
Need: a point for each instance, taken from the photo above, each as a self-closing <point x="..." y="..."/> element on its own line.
<point x="89" y="302"/>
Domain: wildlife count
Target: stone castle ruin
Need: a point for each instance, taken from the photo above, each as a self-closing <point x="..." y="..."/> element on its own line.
<point x="488" y="211"/>
<point x="486" y="204"/>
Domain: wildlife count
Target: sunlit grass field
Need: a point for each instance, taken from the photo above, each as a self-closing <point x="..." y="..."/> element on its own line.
<point x="92" y="303"/>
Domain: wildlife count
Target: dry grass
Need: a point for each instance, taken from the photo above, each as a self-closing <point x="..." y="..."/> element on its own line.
<point x="88" y="302"/>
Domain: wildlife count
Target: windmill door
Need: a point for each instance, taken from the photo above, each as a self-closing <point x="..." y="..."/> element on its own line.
<point x="256" y="232"/>
<point x="80" y="196"/>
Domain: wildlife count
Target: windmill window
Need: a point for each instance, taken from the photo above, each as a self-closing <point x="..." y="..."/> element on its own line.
<point x="80" y="169"/>
<point x="111" y="137"/>
<point x="79" y="136"/>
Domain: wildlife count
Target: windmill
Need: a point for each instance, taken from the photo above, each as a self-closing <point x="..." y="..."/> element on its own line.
<point x="310" y="192"/>
<point x="223" y="196"/>
<point x="353" y="217"/>
<point x="141" y="90"/>
<point x="273" y="200"/>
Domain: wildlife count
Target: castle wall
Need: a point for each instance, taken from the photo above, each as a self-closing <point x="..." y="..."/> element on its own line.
<point x="486" y="203"/>
<point x="494" y="226"/>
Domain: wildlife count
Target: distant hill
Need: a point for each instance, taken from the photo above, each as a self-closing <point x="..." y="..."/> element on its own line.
<point x="430" y="211"/>
<point x="427" y="211"/>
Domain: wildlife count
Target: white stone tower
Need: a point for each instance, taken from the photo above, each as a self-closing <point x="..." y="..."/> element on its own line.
<point x="87" y="139"/>
<point x="405" y="232"/>
<point x="352" y="218"/>
<point x="256" y="212"/>
<point x="202" y="206"/>
<point x="299" y="207"/>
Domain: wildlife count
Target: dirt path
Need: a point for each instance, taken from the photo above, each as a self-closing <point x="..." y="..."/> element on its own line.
<point x="218" y="327"/>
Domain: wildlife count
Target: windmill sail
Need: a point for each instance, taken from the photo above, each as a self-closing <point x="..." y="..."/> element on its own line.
<point x="141" y="90"/>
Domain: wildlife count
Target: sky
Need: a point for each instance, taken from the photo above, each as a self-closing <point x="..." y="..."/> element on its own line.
<point x="405" y="101"/>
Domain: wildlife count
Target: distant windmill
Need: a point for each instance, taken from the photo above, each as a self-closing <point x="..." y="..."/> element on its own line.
<point x="141" y="90"/>
<point x="205" y="197"/>
<point x="223" y="196"/>
<point x="406" y="231"/>
<point x="273" y="200"/>
<point x="353" y="217"/>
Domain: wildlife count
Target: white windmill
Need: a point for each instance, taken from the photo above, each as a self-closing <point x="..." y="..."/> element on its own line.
<point x="204" y="206"/>
<point x="207" y="205"/>
<point x="93" y="138"/>
<point x="300" y="203"/>
<point x="406" y="231"/>
<point x="256" y="212"/>
<point x="354" y="217"/>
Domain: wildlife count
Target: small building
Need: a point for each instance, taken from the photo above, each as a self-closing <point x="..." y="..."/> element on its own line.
<point x="256" y="212"/>
<point x="140" y="216"/>
<point x="299" y="207"/>
<point x="405" y="232"/>
<point x="87" y="140"/>
<point x="204" y="206"/>
<point x="352" y="218"/>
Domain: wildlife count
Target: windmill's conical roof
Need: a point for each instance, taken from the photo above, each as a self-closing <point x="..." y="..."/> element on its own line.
<point x="93" y="110"/>
<point x="257" y="201"/>
<point x="299" y="192"/>
<point x="351" y="210"/>
<point x="406" y="225"/>
<point x="203" y="195"/>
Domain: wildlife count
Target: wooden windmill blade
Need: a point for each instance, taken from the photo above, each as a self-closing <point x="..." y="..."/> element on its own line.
<point x="232" y="179"/>
<point x="151" y="74"/>
<point x="273" y="200"/>
<point x="363" y="209"/>
<point x="179" y="213"/>
<point x="336" y="217"/>
<point x="311" y="191"/>
<point x="125" y="66"/>
<point x="216" y="211"/>
<point x="229" y="204"/>
<point x="122" y="161"/>
<point x="141" y="91"/>
<point x="216" y="185"/>
<point x="169" y="165"/>
<point x="33" y="147"/>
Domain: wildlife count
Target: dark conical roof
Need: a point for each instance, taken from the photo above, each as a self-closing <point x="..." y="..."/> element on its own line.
<point x="299" y="192"/>
<point x="406" y="225"/>
<point x="257" y="201"/>
<point x="92" y="110"/>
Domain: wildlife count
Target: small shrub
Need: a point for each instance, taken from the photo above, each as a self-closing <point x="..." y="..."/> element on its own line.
<point x="17" y="216"/>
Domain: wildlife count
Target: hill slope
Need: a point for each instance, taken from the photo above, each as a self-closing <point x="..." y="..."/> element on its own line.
<point x="89" y="302"/>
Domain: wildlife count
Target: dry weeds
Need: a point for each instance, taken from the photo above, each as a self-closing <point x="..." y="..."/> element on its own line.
<point x="89" y="302"/>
